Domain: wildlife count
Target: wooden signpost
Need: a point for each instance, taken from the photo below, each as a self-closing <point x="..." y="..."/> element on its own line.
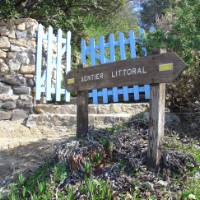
<point x="155" y="70"/>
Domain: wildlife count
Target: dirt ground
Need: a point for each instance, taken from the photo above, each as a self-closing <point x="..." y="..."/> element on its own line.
<point x="22" y="149"/>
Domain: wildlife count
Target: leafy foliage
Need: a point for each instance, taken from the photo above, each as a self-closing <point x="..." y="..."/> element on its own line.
<point x="153" y="9"/>
<point x="183" y="37"/>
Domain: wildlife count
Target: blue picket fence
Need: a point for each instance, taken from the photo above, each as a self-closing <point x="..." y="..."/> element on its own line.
<point x="106" y="52"/>
<point x="53" y="59"/>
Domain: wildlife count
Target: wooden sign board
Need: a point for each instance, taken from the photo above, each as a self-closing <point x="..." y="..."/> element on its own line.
<point x="163" y="68"/>
<point x="155" y="70"/>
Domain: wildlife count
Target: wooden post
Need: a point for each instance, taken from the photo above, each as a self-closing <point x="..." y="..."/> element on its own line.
<point x="82" y="112"/>
<point x="156" y="122"/>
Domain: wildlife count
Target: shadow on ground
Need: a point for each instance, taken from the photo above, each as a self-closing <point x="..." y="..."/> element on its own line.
<point x="26" y="159"/>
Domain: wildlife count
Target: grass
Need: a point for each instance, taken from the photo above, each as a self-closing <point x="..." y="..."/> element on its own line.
<point x="192" y="185"/>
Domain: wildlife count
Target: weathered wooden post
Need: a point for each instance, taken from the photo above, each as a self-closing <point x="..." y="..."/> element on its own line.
<point x="156" y="121"/>
<point x="82" y="112"/>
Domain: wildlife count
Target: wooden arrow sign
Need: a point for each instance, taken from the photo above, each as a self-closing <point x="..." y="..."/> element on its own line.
<point x="163" y="68"/>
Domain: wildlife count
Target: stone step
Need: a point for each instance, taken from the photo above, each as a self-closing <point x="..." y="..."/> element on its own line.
<point x="128" y="108"/>
<point x="97" y="120"/>
<point x="69" y="120"/>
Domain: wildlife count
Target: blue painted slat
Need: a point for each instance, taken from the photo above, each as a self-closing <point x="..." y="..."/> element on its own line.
<point x="68" y="61"/>
<point x="58" y="65"/>
<point x="105" y="95"/>
<point x="102" y="49"/>
<point x="115" y="94"/>
<point x="49" y="64"/>
<point x="122" y="46"/>
<point x="83" y="51"/>
<point x="39" y="61"/>
<point x="94" y="95"/>
<point x="112" y="47"/>
<point x="132" y="44"/>
<point x="147" y="91"/>
<point x="136" y="92"/>
<point x="92" y="52"/>
<point x="125" y="93"/>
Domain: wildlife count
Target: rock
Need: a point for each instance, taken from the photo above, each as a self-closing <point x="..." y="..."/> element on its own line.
<point x="18" y="48"/>
<point x="22" y="57"/>
<point x="92" y="109"/>
<point x="26" y="98"/>
<point x="4" y="31"/>
<point x="14" y="80"/>
<point x="5" y="89"/>
<point x="27" y="69"/>
<point x="18" y="115"/>
<point x="21" y="26"/>
<point x="21" y="90"/>
<point x="3" y="54"/>
<point x="24" y="104"/>
<point x="31" y="57"/>
<point x="30" y="82"/>
<point x="4" y="68"/>
<point x="31" y="44"/>
<point x="11" y="34"/>
<point x="4" y="42"/>
<point x="9" y="105"/>
<point x="6" y="97"/>
<point x="163" y="183"/>
<point x="115" y="108"/>
<point x="5" y="115"/>
<point x="14" y="65"/>
<point x="20" y="34"/>
<point x="19" y="42"/>
<point x="12" y="55"/>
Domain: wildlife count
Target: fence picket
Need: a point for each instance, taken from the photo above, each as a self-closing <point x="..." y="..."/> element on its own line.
<point x="132" y="44"/>
<point x="68" y="62"/>
<point x="83" y="51"/>
<point x="39" y="61"/>
<point x="112" y="47"/>
<point x="92" y="51"/>
<point x="58" y="65"/>
<point x="122" y="46"/>
<point x="49" y="64"/>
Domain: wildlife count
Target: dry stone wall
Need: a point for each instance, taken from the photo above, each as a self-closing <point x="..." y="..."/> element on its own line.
<point x="17" y="67"/>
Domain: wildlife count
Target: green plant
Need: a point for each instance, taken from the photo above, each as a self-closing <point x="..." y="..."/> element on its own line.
<point x="59" y="172"/>
<point x="87" y="167"/>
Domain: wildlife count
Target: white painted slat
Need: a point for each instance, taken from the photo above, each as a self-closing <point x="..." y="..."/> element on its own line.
<point x="58" y="65"/>
<point x="39" y="61"/>
<point x="49" y="64"/>
<point x="68" y="61"/>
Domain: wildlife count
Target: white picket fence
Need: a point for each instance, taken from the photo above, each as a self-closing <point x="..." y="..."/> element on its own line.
<point x="53" y="59"/>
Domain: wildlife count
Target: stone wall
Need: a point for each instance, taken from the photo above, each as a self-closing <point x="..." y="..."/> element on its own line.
<point x="17" y="67"/>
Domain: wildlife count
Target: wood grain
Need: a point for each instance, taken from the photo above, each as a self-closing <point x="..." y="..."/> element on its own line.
<point x="156" y="123"/>
<point x="137" y="71"/>
<point x="82" y="113"/>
